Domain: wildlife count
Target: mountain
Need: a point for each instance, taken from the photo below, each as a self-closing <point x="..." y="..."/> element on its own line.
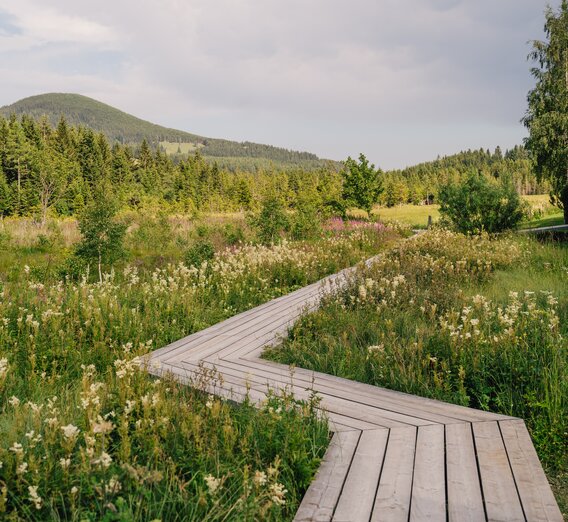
<point x="125" y="128"/>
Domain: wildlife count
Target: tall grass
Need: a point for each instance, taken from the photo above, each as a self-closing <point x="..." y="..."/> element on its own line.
<point x="86" y="435"/>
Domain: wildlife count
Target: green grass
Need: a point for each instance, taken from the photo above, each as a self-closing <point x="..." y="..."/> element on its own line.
<point x="477" y="322"/>
<point x="417" y="215"/>
<point x="414" y="215"/>
<point x="547" y="221"/>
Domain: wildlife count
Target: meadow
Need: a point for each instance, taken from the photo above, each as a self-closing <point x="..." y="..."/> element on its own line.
<point x="85" y="434"/>
<point x="539" y="213"/>
<point x="477" y="321"/>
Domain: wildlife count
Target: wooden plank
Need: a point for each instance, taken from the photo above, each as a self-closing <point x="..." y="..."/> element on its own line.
<point x="392" y="503"/>
<point x="371" y="396"/>
<point x="321" y="498"/>
<point x="329" y="404"/>
<point x="451" y="410"/>
<point x="243" y="317"/>
<point x="428" y="501"/>
<point x="358" y="496"/>
<point x="537" y="498"/>
<point x="465" y="502"/>
<point x="411" y="417"/>
<point x="252" y="323"/>
<point x="498" y="486"/>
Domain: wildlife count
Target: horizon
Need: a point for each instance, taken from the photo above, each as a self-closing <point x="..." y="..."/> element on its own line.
<point x="402" y="85"/>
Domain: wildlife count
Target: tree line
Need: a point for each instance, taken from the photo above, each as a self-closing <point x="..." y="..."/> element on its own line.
<point x="57" y="169"/>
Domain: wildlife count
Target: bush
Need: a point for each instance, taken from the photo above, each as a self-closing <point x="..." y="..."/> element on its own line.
<point x="102" y="240"/>
<point x="306" y="223"/>
<point x="479" y="204"/>
<point x="271" y="222"/>
<point x="201" y="251"/>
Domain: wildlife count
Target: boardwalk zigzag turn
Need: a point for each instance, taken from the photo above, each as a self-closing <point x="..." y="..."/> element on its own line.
<point x="393" y="456"/>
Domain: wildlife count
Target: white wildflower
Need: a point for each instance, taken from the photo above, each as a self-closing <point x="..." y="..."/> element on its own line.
<point x="212" y="483"/>
<point x="34" y="497"/>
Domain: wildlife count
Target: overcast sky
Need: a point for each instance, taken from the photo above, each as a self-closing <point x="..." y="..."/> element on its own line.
<point x="399" y="80"/>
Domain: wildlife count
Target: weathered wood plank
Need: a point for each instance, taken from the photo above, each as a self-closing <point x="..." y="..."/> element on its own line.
<point x="465" y="502"/>
<point x="358" y="496"/>
<point x="369" y="406"/>
<point x="370" y="396"/>
<point x="459" y="413"/>
<point x="392" y="503"/>
<point x="321" y="498"/>
<point x="428" y="501"/>
<point x="329" y="404"/>
<point x="498" y="486"/>
<point x="536" y="496"/>
<point x="252" y="323"/>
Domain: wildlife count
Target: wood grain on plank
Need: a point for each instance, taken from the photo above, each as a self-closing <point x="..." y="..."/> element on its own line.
<point x="497" y="483"/>
<point x="537" y="498"/>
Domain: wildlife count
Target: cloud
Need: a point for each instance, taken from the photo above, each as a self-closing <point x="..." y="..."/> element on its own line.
<point x="401" y="80"/>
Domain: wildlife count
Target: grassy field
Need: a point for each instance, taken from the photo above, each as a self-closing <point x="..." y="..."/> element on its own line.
<point x="86" y="435"/>
<point x="180" y="148"/>
<point x="473" y="321"/>
<point x="543" y="214"/>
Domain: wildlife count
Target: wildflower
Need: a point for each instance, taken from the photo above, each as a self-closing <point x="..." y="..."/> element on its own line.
<point x="3" y="367"/>
<point x="14" y="401"/>
<point x="212" y="483"/>
<point x="113" y="486"/>
<point x="104" y="460"/>
<point x="259" y="478"/>
<point x="102" y="426"/>
<point x="34" y="497"/>
<point x="129" y="406"/>
<point x="376" y="348"/>
<point x="65" y="463"/>
<point x="22" y="468"/>
<point x="277" y="492"/>
<point x="70" y="432"/>
<point x="74" y="490"/>
<point x="17" y="448"/>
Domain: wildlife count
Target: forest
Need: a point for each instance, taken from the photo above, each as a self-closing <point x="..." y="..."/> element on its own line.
<point x="53" y="170"/>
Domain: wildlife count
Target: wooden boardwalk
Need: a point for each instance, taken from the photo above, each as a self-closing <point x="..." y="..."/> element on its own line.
<point x="393" y="456"/>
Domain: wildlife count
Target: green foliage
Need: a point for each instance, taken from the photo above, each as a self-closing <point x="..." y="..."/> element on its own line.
<point x="481" y="205"/>
<point x="547" y="114"/>
<point x="306" y="223"/>
<point x="203" y="250"/>
<point x="271" y="221"/>
<point x="362" y="184"/>
<point x="102" y="235"/>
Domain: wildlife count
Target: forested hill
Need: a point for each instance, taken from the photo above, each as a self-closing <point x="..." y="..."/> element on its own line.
<point x="119" y="126"/>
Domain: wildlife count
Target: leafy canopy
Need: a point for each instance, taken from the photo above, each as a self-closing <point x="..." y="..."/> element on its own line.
<point x="481" y="205"/>
<point x="362" y="184"/>
<point x="547" y="114"/>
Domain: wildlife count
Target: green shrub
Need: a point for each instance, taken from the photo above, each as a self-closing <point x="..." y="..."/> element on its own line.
<point x="201" y="251"/>
<point x="102" y="235"/>
<point x="306" y="223"/>
<point x="481" y="205"/>
<point x="270" y="222"/>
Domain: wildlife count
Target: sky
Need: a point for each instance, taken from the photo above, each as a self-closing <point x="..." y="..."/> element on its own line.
<point x="401" y="81"/>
